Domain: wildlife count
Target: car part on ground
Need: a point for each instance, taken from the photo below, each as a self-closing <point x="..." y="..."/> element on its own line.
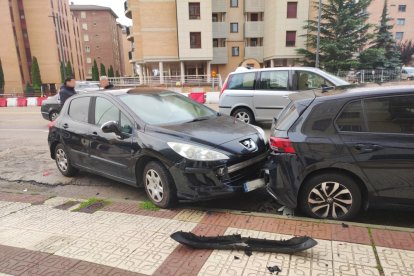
<point x="237" y="242"/>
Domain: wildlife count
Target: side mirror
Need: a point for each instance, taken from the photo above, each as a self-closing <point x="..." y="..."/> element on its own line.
<point x="111" y="127"/>
<point x="326" y="88"/>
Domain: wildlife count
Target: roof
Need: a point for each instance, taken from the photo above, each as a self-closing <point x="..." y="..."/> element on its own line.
<point x="312" y="69"/>
<point x="92" y="8"/>
<point x="139" y="90"/>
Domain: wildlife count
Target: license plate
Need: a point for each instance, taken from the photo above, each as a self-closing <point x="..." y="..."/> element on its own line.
<point x="253" y="185"/>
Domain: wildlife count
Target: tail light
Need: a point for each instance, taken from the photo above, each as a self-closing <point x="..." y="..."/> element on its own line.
<point x="281" y="145"/>
<point x="224" y="86"/>
<point x="51" y="124"/>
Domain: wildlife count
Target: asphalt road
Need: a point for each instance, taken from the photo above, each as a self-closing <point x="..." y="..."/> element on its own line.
<point x="25" y="166"/>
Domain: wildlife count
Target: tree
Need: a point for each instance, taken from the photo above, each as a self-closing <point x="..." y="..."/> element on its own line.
<point x="69" y="69"/>
<point x="384" y="40"/>
<point x="28" y="91"/>
<point x="62" y="71"/>
<point x="344" y="31"/>
<point x="117" y="74"/>
<point x="95" y="71"/>
<point x="111" y="72"/>
<point x="103" y="70"/>
<point x="2" y="83"/>
<point x="371" y="58"/>
<point x="406" y="51"/>
<point x="36" y="77"/>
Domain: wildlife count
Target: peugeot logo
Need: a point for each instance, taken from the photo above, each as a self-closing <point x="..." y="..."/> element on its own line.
<point x="249" y="144"/>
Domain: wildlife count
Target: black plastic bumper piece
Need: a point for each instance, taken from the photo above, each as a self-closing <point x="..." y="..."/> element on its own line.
<point x="237" y="242"/>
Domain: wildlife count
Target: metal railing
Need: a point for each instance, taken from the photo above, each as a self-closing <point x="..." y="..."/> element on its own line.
<point x="370" y="75"/>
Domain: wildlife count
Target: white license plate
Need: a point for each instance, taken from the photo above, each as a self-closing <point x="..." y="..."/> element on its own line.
<point x="253" y="185"/>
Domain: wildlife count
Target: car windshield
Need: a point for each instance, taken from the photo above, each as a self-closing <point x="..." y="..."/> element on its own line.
<point x="336" y="80"/>
<point x="409" y="70"/>
<point x="166" y="108"/>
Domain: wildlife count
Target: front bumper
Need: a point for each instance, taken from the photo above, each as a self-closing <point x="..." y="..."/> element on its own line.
<point x="196" y="182"/>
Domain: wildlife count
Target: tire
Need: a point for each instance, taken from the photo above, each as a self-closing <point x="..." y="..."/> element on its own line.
<point x="159" y="185"/>
<point x="341" y="192"/>
<point x="53" y="115"/>
<point x="244" y="115"/>
<point x="63" y="162"/>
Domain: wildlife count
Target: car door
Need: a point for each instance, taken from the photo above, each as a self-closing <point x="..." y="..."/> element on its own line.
<point x="272" y="93"/>
<point x="75" y="130"/>
<point x="382" y="142"/>
<point x="111" y="154"/>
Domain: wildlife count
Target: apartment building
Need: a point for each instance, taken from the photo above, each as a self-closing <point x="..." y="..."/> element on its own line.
<point x="188" y="37"/>
<point x="101" y="37"/>
<point x="401" y="12"/>
<point x="38" y="28"/>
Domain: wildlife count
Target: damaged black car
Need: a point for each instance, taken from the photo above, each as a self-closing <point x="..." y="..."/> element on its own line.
<point x="175" y="148"/>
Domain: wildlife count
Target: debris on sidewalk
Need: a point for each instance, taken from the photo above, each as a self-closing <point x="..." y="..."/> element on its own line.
<point x="273" y="269"/>
<point x="237" y="242"/>
<point x="344" y="225"/>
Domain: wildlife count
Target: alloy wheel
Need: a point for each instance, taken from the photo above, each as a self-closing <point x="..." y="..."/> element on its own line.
<point x="243" y="116"/>
<point x="330" y="199"/>
<point x="62" y="160"/>
<point x="154" y="185"/>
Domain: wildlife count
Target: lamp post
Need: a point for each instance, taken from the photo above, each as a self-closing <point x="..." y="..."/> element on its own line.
<point x="56" y="21"/>
<point x="318" y="36"/>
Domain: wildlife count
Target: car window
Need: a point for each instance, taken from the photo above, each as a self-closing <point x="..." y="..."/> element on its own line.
<point x="242" y="81"/>
<point x="79" y="109"/>
<point x="310" y="80"/>
<point x="351" y="118"/>
<point x="390" y="114"/>
<point x="289" y="115"/>
<point x="106" y="111"/>
<point x="125" y="124"/>
<point x="274" y="80"/>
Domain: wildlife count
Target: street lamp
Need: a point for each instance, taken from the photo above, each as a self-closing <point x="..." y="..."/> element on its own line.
<point x="318" y="36"/>
<point x="57" y="18"/>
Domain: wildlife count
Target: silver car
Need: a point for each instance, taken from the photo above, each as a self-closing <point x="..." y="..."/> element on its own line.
<point x="260" y="94"/>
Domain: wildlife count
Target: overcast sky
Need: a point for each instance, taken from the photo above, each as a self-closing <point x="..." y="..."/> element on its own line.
<point x="116" y="5"/>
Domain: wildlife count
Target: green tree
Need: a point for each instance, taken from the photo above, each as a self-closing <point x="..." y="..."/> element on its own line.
<point x="117" y="74"/>
<point x="111" y="72"/>
<point x="95" y="71"/>
<point x="371" y="58"/>
<point x="36" y="77"/>
<point x="69" y="69"/>
<point x="2" y="82"/>
<point x="103" y="70"/>
<point x="384" y="40"/>
<point x="406" y="51"/>
<point x="344" y="31"/>
<point x="62" y="71"/>
<point x="28" y="91"/>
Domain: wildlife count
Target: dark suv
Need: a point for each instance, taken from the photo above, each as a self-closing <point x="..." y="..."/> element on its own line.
<point x="335" y="153"/>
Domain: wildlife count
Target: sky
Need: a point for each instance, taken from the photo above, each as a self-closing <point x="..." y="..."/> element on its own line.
<point x="116" y="5"/>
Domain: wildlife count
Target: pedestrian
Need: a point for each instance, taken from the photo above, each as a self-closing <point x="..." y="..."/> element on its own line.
<point x="67" y="90"/>
<point x="105" y="84"/>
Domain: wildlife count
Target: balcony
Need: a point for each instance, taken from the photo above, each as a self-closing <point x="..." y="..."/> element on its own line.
<point x="127" y="10"/>
<point x="220" y="30"/>
<point x="254" y="5"/>
<point x="219" y="55"/>
<point x="254" y="29"/>
<point x="254" y="52"/>
<point x="219" y="5"/>
<point x="129" y="34"/>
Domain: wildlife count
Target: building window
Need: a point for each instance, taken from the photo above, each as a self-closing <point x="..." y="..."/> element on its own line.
<point x="83" y="14"/>
<point x="87" y="49"/>
<point x="235" y="51"/>
<point x="399" y="35"/>
<point x="292" y="9"/>
<point x="234" y="3"/>
<point x="234" y="27"/>
<point x="86" y="37"/>
<point x="84" y="26"/>
<point x="290" y="38"/>
<point x="402" y="8"/>
<point x="88" y="60"/>
<point x="254" y="17"/>
<point x="401" y="21"/>
<point x="194" y="10"/>
<point x="195" y="40"/>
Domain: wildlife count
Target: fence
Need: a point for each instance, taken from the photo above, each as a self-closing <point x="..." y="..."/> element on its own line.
<point x="370" y="75"/>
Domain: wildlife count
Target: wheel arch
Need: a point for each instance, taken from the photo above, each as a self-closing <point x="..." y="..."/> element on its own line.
<point x="53" y="149"/>
<point x="236" y="107"/>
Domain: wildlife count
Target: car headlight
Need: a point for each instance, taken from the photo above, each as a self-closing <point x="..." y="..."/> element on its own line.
<point x="197" y="153"/>
<point x="262" y="133"/>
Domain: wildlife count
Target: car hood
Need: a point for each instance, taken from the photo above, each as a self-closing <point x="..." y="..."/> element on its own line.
<point x="213" y="132"/>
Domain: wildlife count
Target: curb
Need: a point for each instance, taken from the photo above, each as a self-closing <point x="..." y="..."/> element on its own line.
<point x="21" y="101"/>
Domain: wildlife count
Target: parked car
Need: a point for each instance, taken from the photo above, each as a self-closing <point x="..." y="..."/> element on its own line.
<point x="339" y="152"/>
<point x="160" y="140"/>
<point x="258" y="94"/>
<point x="407" y="73"/>
<point x="51" y="106"/>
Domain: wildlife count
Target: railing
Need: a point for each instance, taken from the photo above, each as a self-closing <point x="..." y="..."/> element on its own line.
<point x="220" y="30"/>
<point x="254" y="5"/>
<point x="370" y="75"/>
<point x="219" y="5"/>
<point x="254" y="52"/>
<point x="219" y="55"/>
<point x="254" y="29"/>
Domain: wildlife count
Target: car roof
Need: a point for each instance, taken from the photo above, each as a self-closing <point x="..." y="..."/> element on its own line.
<point x="312" y="69"/>
<point x="125" y="91"/>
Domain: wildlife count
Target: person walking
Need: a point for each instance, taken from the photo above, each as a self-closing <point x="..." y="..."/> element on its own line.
<point x="67" y="90"/>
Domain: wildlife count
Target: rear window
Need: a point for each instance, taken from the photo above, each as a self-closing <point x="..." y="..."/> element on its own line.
<point x="242" y="81"/>
<point x="288" y="116"/>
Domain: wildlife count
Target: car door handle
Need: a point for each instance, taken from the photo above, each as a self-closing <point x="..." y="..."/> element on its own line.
<point x="364" y="148"/>
<point x="65" y="126"/>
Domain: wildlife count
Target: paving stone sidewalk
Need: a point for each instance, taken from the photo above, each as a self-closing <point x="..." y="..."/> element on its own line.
<point x="42" y="236"/>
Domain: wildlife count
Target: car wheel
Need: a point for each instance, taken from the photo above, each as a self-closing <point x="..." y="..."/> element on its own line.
<point x="63" y="162"/>
<point x="159" y="185"/>
<point x="244" y="115"/>
<point x="331" y="196"/>
<point x="53" y="115"/>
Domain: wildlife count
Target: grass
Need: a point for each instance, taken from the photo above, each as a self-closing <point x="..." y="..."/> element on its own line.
<point x="90" y="202"/>
<point x="379" y="267"/>
<point x="149" y="206"/>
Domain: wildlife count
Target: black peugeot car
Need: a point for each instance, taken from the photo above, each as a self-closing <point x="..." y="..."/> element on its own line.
<point x="172" y="146"/>
<point x="338" y="152"/>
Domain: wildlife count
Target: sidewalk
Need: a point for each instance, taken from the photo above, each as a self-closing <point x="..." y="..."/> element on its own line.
<point x="41" y="236"/>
